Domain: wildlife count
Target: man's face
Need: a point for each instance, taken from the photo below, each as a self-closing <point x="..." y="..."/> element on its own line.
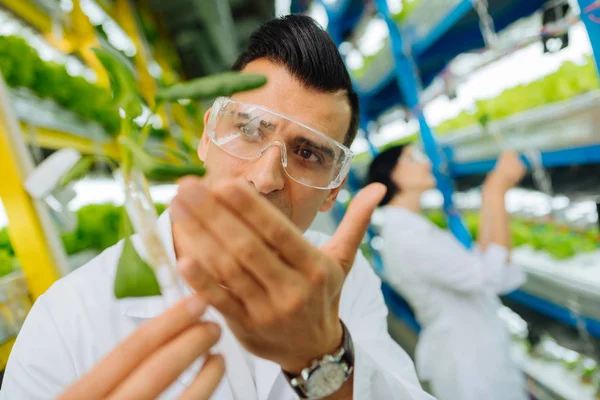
<point x="329" y="113"/>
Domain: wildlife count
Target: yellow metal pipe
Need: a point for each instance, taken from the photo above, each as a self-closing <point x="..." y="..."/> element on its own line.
<point x="31" y="13"/>
<point x="39" y="20"/>
<point x="5" y="349"/>
<point x="124" y="15"/>
<point x="85" y="37"/>
<point x="25" y="228"/>
<point x="52" y="139"/>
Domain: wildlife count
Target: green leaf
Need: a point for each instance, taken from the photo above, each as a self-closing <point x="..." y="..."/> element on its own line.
<point x="218" y="23"/>
<point x="7" y="263"/>
<point x="122" y="82"/>
<point x="135" y="278"/>
<point x="180" y="155"/>
<point x="209" y="87"/>
<point x="155" y="169"/>
<point x="78" y="171"/>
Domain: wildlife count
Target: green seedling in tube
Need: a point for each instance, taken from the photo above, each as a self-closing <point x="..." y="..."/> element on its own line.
<point x="134" y="278"/>
<point x="136" y="275"/>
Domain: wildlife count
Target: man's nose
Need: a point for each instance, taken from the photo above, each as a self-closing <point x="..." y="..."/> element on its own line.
<point x="266" y="173"/>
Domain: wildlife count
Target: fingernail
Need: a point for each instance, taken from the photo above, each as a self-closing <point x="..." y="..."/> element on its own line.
<point x="196" y="306"/>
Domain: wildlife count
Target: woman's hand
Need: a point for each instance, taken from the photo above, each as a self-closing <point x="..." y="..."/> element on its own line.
<point x="149" y="360"/>
<point x="507" y="173"/>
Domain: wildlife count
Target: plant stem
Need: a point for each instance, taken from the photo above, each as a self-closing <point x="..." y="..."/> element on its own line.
<point x="146" y="126"/>
<point x="111" y="163"/>
<point x="126" y="158"/>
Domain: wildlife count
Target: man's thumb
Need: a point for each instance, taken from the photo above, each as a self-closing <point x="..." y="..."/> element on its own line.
<point x="347" y="238"/>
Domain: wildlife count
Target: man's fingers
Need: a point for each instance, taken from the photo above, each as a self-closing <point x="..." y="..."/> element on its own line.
<point x="161" y="369"/>
<point x="130" y="353"/>
<point x="344" y="244"/>
<point x="207" y="379"/>
<point x="244" y="246"/>
<point x="273" y="226"/>
<point x="218" y="296"/>
<point x="196" y="243"/>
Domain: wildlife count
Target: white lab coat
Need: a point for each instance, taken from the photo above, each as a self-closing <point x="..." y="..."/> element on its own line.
<point x="78" y="321"/>
<point x="463" y="349"/>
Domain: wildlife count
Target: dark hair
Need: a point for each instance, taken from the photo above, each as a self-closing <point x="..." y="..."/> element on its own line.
<point x="380" y="171"/>
<point x="308" y="53"/>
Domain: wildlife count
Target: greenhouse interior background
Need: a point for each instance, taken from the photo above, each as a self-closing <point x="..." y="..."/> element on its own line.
<point x="462" y="80"/>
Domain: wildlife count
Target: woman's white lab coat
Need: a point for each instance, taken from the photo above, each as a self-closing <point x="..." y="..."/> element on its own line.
<point x="464" y="348"/>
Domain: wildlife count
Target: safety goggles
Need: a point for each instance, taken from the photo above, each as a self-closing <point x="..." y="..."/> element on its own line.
<point x="416" y="155"/>
<point x="308" y="156"/>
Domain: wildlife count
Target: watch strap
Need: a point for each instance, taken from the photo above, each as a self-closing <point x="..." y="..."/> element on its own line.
<point x="344" y="355"/>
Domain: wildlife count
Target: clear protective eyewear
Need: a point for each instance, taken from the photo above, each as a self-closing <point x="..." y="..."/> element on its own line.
<point x="417" y="155"/>
<point x="308" y="156"/>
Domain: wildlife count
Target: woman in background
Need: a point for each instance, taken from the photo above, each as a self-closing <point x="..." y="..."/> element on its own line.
<point x="464" y="348"/>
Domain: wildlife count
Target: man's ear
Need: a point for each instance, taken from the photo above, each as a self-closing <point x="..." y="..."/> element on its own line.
<point x="331" y="197"/>
<point x="204" y="140"/>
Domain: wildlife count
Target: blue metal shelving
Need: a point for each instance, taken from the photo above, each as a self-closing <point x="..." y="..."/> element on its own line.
<point x="343" y="16"/>
<point x="418" y="58"/>
<point x="457" y="32"/>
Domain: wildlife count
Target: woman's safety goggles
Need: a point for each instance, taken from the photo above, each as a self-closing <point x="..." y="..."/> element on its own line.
<point x="308" y="156"/>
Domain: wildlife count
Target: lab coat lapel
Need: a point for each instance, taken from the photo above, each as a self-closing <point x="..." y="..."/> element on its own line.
<point x="237" y="370"/>
<point x="266" y="375"/>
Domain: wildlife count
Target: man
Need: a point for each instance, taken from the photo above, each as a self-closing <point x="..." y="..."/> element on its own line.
<point x="276" y="156"/>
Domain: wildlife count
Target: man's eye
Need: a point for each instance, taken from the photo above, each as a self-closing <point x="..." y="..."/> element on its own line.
<point x="309" y="155"/>
<point x="248" y="130"/>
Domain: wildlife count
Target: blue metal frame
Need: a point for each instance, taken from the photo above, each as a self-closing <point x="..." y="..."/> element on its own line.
<point x="554" y="311"/>
<point x="557" y="158"/>
<point x="298" y="6"/>
<point x="455" y="15"/>
<point x="343" y="15"/>
<point x="590" y="15"/>
<point x="400" y="308"/>
<point x="408" y="82"/>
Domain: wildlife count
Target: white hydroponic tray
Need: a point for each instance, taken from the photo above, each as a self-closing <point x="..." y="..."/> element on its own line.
<point x="573" y="283"/>
<point x="552" y="376"/>
<point x="567" y="124"/>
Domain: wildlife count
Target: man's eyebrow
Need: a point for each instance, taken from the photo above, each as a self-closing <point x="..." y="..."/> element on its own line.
<point x="327" y="149"/>
<point x="263" y="123"/>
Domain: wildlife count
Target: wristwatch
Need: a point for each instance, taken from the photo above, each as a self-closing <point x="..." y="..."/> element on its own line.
<point x="327" y="375"/>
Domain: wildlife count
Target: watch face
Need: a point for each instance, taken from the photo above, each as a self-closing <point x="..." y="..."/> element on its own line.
<point x="326" y="380"/>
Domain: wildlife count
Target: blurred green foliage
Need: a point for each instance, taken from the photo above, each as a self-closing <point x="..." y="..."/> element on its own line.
<point x="559" y="242"/>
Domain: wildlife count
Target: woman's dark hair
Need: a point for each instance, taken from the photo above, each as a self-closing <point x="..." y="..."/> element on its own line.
<point x="308" y="53"/>
<point x="380" y="171"/>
